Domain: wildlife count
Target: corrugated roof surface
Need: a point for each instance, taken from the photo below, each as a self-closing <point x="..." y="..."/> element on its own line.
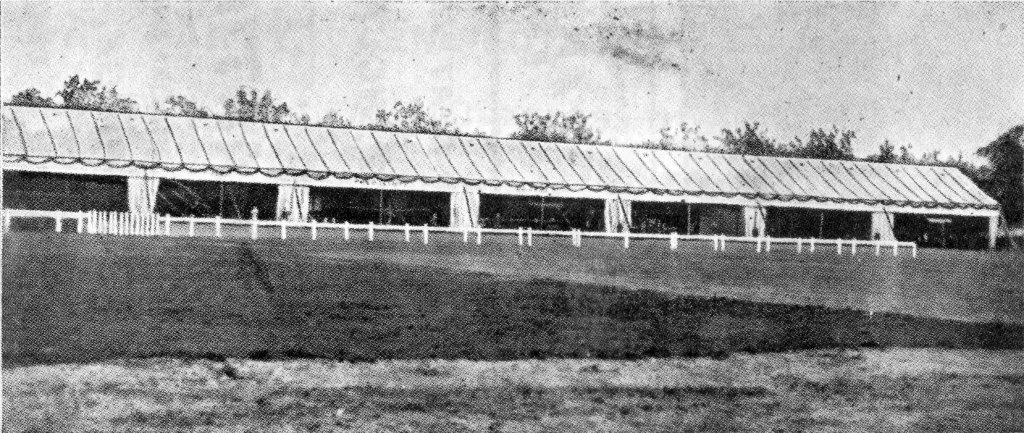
<point x="38" y="135"/>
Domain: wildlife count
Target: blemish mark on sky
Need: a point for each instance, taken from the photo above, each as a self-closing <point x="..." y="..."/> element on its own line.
<point x="939" y="76"/>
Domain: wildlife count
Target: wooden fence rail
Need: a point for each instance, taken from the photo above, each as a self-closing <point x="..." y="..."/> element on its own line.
<point x="124" y="223"/>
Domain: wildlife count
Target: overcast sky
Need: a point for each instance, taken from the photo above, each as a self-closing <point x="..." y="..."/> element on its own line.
<point x="944" y="77"/>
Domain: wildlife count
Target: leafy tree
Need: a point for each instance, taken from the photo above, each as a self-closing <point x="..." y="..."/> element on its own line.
<point x="558" y="127"/>
<point x="748" y="140"/>
<point x="683" y="137"/>
<point x="886" y="153"/>
<point x="821" y="144"/>
<point x="31" y="97"/>
<point x="248" y="105"/>
<point x="88" y="95"/>
<point x="413" y="117"/>
<point x="181" y="106"/>
<point x="335" y="119"/>
<point x="1006" y="155"/>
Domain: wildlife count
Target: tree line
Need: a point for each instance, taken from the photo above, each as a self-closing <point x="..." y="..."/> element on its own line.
<point x="1002" y="177"/>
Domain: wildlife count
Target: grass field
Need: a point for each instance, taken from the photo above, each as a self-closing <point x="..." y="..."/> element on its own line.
<point x="840" y="391"/>
<point x="73" y="298"/>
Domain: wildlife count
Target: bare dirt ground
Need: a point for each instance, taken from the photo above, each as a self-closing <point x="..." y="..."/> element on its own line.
<point x="851" y="390"/>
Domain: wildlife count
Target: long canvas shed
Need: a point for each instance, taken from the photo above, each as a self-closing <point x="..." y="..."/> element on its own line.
<point x="183" y="165"/>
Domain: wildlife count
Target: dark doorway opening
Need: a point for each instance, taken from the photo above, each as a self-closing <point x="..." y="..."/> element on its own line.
<point x="685" y="218"/>
<point x="209" y="199"/>
<point x="817" y="223"/>
<point x="541" y="213"/>
<point x="941" y="231"/>
<point x="655" y="217"/>
<point x="64" y="192"/>
<point x="361" y="206"/>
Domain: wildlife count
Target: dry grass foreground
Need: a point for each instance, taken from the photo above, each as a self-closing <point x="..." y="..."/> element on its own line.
<point x="872" y="390"/>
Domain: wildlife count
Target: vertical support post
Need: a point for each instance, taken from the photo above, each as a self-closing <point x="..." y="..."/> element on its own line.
<point x="167" y="224"/>
<point x="767" y="244"/>
<point x="721" y="242"/>
<point x="993" y="231"/>
<point x="895" y="248"/>
<point x="878" y="248"/>
<point x="346" y="229"/>
<point x="284" y="229"/>
<point x="407" y="230"/>
<point x="465" y="234"/>
<point x="58" y="224"/>
<point x="839" y="247"/>
<point x="191" y="226"/>
<point x="799" y="245"/>
<point x="78" y="227"/>
<point x="479" y="235"/>
<point x="426" y="234"/>
<point x="312" y="230"/>
<point x="673" y="241"/>
<point x="529" y="236"/>
<point x="216" y="226"/>
<point x="853" y="247"/>
<point x="913" y="251"/>
<point x="369" y="232"/>
<point x="254" y="229"/>
<point x="812" y="245"/>
<point x="519" y="234"/>
<point x="625" y="240"/>
<point x="758" y="240"/>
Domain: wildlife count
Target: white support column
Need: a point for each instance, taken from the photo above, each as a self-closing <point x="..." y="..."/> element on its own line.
<point x="882" y="226"/>
<point x="292" y="202"/>
<point x="993" y="230"/>
<point x="753" y="221"/>
<point x="618" y="215"/>
<point x="142" y="194"/>
<point x="465" y="208"/>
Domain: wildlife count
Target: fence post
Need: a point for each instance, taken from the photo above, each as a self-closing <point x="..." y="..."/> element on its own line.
<point x="913" y="250"/>
<point x="895" y="248"/>
<point x="721" y="242"/>
<point x="78" y="227"/>
<point x="369" y="232"/>
<point x="529" y="236"/>
<point x="465" y="235"/>
<point x="878" y="248"/>
<point x="799" y="245"/>
<point x="426" y="235"/>
<point x="673" y="241"/>
<point x="767" y="244"/>
<point x="853" y="247"/>
<point x="479" y="235"/>
<point x="58" y="224"/>
<point x="216" y="226"/>
<point x="254" y="231"/>
<point x="407" y="229"/>
<point x="284" y="229"/>
<point x="758" y="244"/>
<point x="812" y="245"/>
<point x="625" y="240"/>
<point x="519" y="233"/>
<point x="191" y="225"/>
<point x="312" y="230"/>
<point x="346" y="230"/>
<point x="839" y="246"/>
<point x="167" y="224"/>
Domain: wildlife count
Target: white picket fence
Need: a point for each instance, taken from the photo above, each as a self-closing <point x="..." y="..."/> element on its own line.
<point x="124" y="223"/>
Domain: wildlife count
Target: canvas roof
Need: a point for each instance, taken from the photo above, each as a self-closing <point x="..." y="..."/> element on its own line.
<point x="63" y="136"/>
